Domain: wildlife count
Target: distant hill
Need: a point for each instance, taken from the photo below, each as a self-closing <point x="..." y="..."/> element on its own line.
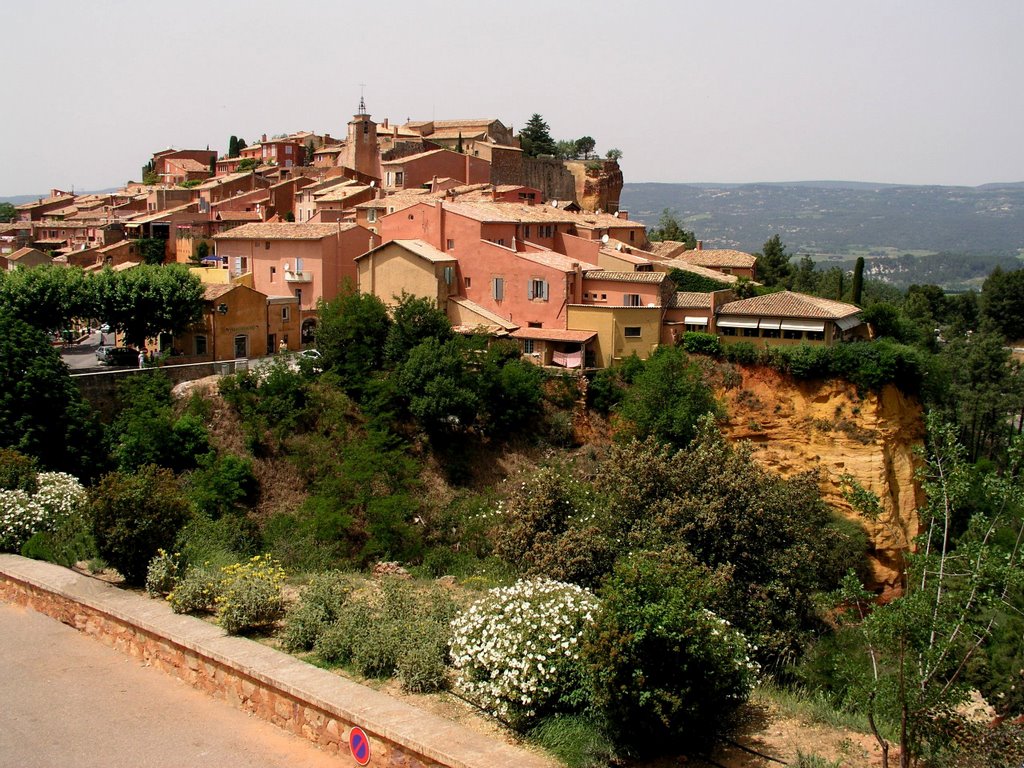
<point x="839" y="219"/>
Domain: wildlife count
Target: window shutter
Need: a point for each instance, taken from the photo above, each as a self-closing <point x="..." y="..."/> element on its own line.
<point x="625" y="300"/>
<point x="544" y="288"/>
<point x="529" y="289"/>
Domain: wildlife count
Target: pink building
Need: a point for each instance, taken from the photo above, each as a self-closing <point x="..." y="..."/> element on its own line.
<point x="417" y="171"/>
<point x="307" y="261"/>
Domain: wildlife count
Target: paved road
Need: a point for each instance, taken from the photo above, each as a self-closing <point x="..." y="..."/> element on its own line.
<point x="69" y="700"/>
<point x="82" y="357"/>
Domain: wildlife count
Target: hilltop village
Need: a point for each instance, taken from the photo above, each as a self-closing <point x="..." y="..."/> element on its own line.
<point x="508" y="243"/>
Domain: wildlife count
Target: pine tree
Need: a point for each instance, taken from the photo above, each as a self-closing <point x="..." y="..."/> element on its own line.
<point x="535" y="138"/>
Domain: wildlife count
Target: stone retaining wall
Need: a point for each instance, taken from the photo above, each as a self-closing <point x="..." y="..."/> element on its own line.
<point x="309" y="702"/>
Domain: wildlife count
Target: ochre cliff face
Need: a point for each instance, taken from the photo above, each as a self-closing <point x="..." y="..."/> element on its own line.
<point x="799" y="426"/>
<point x="598" y="189"/>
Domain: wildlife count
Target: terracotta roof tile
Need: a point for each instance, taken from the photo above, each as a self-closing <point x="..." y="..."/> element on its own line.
<point x="553" y="334"/>
<point x="702" y="271"/>
<point x="789" y="304"/>
<point x="690" y="300"/>
<point x="284" y="231"/>
<point x="627" y="277"/>
<point x="718" y="257"/>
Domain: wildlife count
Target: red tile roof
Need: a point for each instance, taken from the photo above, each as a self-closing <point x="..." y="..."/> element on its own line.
<point x="789" y="304"/>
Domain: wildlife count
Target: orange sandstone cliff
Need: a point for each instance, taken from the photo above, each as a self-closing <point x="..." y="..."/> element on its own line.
<point x="799" y="426"/>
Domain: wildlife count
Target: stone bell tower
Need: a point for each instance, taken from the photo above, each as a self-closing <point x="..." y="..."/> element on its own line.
<point x="361" y="152"/>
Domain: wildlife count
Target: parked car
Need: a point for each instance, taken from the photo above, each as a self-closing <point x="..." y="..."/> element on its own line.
<point x="311" y="360"/>
<point x="118" y="355"/>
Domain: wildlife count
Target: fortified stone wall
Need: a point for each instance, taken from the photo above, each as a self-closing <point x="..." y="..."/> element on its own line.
<point x="550" y="176"/>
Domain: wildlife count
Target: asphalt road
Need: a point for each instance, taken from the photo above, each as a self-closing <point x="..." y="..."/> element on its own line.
<point x="82" y="357"/>
<point x="69" y="700"/>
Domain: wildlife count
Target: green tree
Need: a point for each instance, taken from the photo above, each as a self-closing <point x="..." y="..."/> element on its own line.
<point x="614" y="155"/>
<point x="667" y="399"/>
<point x="7" y="212"/>
<point x="414" y="320"/>
<point x="433" y="378"/>
<point x="1002" y="302"/>
<point x="310" y="149"/>
<point x="857" y="292"/>
<point x="669" y="228"/>
<point x="565" y="149"/>
<point x="247" y="164"/>
<point x="147" y="430"/>
<point x="510" y="389"/>
<point x="984" y="393"/>
<point x="152" y="249"/>
<point x="584" y="146"/>
<point x="535" y="138"/>
<point x="148" y="300"/>
<point x="919" y="645"/>
<point x="135" y="514"/>
<point x="42" y="413"/>
<point x="350" y="334"/>
<point x="773" y="262"/>
<point x="49" y="297"/>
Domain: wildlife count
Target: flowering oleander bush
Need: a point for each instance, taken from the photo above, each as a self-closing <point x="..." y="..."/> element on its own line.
<point x="516" y="651"/>
<point x="250" y="594"/>
<point x="58" y="496"/>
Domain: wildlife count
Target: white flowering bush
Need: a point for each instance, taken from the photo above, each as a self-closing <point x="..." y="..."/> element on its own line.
<point x="516" y="651"/>
<point x="58" y="497"/>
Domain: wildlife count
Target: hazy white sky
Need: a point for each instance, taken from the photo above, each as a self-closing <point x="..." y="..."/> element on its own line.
<point x="907" y="91"/>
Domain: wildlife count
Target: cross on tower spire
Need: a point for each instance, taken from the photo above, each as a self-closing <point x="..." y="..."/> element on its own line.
<point x="362" y="101"/>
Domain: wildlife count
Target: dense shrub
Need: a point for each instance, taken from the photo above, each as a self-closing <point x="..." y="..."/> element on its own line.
<point x="196" y="591"/>
<point x="147" y="430"/>
<point x="667" y="398"/>
<point x="605" y="390"/>
<point x="393" y="629"/>
<point x="549" y="528"/>
<point x="868" y="364"/>
<point x="250" y="594"/>
<point x="163" y="573"/>
<point x="17" y="471"/>
<point x="221" y="485"/>
<point x="701" y="343"/>
<point x="516" y="651"/>
<point x="318" y="607"/>
<point x="665" y="671"/>
<point x="136" y="514"/>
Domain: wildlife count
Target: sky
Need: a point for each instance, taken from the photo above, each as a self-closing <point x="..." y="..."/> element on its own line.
<point x="897" y="91"/>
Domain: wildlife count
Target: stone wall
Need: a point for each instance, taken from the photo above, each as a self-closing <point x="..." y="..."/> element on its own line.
<point x="100" y="388"/>
<point x="550" y="176"/>
<point x="309" y="702"/>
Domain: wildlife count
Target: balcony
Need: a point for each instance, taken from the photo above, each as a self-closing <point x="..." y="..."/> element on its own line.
<point x="298" y="277"/>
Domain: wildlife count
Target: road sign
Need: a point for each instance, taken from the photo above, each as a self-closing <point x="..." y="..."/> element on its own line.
<point x="359" y="745"/>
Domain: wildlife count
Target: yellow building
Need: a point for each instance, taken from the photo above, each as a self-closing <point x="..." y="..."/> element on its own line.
<point x="407" y="266"/>
<point x="620" y="331"/>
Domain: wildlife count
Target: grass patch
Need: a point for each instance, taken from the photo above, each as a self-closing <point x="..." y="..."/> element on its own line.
<point x="575" y="740"/>
<point x="813" y="707"/>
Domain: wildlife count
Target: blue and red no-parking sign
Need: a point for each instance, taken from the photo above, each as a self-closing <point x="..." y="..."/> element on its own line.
<point x="359" y="745"/>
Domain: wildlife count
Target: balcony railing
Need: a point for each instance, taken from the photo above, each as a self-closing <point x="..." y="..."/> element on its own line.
<point x="298" y="277"/>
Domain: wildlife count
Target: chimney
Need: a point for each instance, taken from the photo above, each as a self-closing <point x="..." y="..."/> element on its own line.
<point x="385" y="124"/>
<point x="700" y="245"/>
<point x="264" y="138"/>
<point x="622" y="214"/>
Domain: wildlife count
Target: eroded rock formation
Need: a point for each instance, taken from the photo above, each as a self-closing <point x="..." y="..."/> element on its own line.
<point x="827" y="427"/>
